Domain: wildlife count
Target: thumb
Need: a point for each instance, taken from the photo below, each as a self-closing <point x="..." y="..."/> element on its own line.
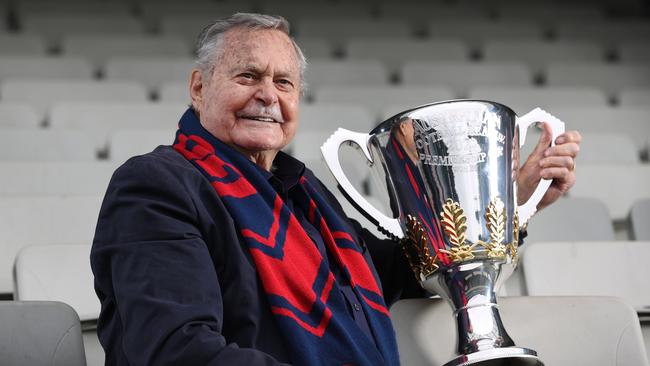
<point x="544" y="140"/>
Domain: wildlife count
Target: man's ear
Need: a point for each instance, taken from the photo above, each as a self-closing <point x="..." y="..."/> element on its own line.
<point x="196" y="89"/>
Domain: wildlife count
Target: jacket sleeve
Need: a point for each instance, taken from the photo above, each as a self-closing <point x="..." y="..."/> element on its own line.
<point x="161" y="300"/>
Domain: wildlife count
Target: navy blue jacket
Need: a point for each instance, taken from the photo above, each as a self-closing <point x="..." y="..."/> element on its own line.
<point x="176" y="284"/>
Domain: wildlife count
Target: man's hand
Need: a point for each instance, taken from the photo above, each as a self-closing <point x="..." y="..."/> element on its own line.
<point x="550" y="162"/>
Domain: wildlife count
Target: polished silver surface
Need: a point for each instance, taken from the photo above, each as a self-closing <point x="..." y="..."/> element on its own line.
<point x="450" y="169"/>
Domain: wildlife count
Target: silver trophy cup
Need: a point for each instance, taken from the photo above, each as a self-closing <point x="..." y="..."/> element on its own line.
<point x="451" y="170"/>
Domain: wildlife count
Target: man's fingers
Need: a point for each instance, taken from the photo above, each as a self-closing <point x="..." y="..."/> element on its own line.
<point x="569" y="136"/>
<point x="567" y="149"/>
<point x="544" y="140"/>
<point x="558" y="173"/>
<point x="557" y="161"/>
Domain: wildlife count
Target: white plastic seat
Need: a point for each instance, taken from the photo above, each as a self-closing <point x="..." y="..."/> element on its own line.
<point x="546" y="12"/>
<point x="640" y="220"/>
<point x="462" y="76"/>
<point x="76" y="7"/>
<point x="126" y="143"/>
<point x="40" y="333"/>
<point x="316" y="47"/>
<point x="174" y="91"/>
<point x="639" y="97"/>
<point x="44" y="67"/>
<point x="537" y="54"/>
<point x="22" y="45"/>
<point x="98" y="120"/>
<point x="99" y="48"/>
<point x="476" y="32"/>
<point x="186" y="25"/>
<point x="572" y="219"/>
<point x="45" y="145"/>
<point x="152" y="72"/>
<point x="55" y="178"/>
<point x="608" y="148"/>
<point x="55" y="27"/>
<point x="424" y="11"/>
<point x="18" y="115"/>
<point x="57" y="273"/>
<point x="634" y="51"/>
<point x="608" y="33"/>
<point x="617" y="185"/>
<point x="632" y="121"/>
<point x="43" y="221"/>
<point x="338" y="29"/>
<point x="374" y="99"/>
<point x="609" y="77"/>
<point x="393" y="52"/>
<point x="589" y="268"/>
<point x="153" y="11"/>
<point x="524" y="99"/>
<point x="330" y="116"/>
<point x="345" y="72"/>
<point x="294" y="11"/>
<point x="42" y="94"/>
<point x="597" y="331"/>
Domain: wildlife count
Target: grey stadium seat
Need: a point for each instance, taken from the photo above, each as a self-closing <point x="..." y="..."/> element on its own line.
<point x="22" y="45"/>
<point x="639" y="97"/>
<point x="523" y="99"/>
<point x="44" y="67"/>
<point x="345" y="73"/>
<point x="40" y="333"/>
<point x="611" y="78"/>
<point x="640" y="220"/>
<point x="46" y="145"/>
<point x="150" y="71"/>
<point x="597" y="331"/>
<point x="18" y="115"/>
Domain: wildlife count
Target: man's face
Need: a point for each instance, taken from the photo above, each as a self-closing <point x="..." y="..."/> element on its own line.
<point x="251" y="100"/>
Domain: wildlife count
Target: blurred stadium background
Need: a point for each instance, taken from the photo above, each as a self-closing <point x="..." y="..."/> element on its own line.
<point x="85" y="84"/>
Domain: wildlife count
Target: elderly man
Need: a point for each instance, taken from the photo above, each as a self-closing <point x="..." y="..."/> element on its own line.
<point x="223" y="250"/>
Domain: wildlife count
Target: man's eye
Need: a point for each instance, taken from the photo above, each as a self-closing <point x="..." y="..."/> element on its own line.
<point x="285" y="82"/>
<point x="247" y="75"/>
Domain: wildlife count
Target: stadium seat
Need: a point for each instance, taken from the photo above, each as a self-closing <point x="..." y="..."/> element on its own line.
<point x="174" y="91"/>
<point x="316" y="47"/>
<point x="589" y="268"/>
<point x="617" y="185"/>
<point x="422" y="12"/>
<point x="53" y="27"/>
<point x="98" y="120"/>
<point x="572" y="219"/>
<point x="155" y="13"/>
<point x="44" y="67"/>
<point x="537" y="54"/>
<point x="152" y="72"/>
<point x="32" y="220"/>
<point x="634" y="51"/>
<point x="63" y="178"/>
<point x="42" y="94"/>
<point x="356" y="215"/>
<point x="327" y="117"/>
<point x="18" y="115"/>
<point x="611" y="78"/>
<point x="393" y="52"/>
<point x="126" y="143"/>
<point x="462" y="76"/>
<point x="45" y="145"/>
<point x="524" y="99"/>
<point x="640" y="220"/>
<point x="339" y="29"/>
<point x="77" y="7"/>
<point x="639" y="97"/>
<point x="346" y="73"/>
<point x="294" y="11"/>
<point x="607" y="33"/>
<point x="608" y="148"/>
<point x="62" y="273"/>
<point x="375" y="99"/>
<point x="550" y="13"/>
<point x="22" y="45"/>
<point x="633" y="122"/>
<point x="99" y="48"/>
<point x="475" y="32"/>
<point x="597" y="331"/>
<point x="40" y="333"/>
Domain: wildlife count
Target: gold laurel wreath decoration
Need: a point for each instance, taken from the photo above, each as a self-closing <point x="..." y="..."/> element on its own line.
<point x="495" y="216"/>
<point x="515" y="234"/>
<point x="416" y="240"/>
<point x="454" y="223"/>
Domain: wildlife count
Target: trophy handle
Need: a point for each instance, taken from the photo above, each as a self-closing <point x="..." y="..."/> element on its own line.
<point x="557" y="127"/>
<point x="330" y="150"/>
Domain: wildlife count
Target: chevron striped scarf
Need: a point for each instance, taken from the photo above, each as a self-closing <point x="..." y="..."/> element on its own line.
<point x="302" y="291"/>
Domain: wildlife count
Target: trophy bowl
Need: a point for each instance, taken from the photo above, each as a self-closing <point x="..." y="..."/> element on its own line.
<point x="450" y="169"/>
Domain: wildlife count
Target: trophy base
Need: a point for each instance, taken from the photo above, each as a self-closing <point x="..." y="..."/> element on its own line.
<point x="505" y="356"/>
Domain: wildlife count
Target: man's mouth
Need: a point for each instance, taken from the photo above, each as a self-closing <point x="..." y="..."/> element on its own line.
<point x="260" y="118"/>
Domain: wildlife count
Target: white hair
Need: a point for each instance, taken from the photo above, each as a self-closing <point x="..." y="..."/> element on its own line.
<point x="209" y="46"/>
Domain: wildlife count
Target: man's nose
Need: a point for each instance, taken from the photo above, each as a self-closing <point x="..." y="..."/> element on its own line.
<point x="266" y="92"/>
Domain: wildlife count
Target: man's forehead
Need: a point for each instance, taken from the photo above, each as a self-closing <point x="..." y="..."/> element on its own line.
<point x="243" y="47"/>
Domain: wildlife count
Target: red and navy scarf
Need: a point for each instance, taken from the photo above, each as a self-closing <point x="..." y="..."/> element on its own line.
<point x="302" y="291"/>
